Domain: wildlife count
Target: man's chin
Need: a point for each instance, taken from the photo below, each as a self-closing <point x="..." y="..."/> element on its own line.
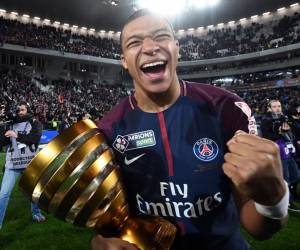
<point x="158" y="89"/>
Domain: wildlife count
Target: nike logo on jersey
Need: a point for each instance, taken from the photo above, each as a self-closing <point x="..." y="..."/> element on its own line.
<point x="128" y="162"/>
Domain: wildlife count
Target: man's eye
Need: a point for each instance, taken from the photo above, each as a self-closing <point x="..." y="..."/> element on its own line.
<point x="133" y="43"/>
<point x="162" y="37"/>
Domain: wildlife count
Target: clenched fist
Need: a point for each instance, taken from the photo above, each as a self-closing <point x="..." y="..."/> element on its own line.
<point x="254" y="166"/>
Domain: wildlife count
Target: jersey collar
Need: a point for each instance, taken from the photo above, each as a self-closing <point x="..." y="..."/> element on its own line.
<point x="183" y="92"/>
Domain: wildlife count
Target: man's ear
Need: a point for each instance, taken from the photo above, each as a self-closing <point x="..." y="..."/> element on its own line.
<point x="124" y="63"/>
<point x="177" y="45"/>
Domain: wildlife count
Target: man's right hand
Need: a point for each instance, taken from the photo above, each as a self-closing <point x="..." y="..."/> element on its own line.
<point x="285" y="127"/>
<point x="100" y="243"/>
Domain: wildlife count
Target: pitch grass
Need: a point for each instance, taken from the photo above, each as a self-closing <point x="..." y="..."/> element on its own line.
<point x="19" y="232"/>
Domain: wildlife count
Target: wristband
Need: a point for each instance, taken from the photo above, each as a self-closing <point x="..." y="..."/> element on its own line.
<point x="278" y="211"/>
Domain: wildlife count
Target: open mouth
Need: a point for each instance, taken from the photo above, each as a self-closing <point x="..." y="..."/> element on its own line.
<point x="154" y="70"/>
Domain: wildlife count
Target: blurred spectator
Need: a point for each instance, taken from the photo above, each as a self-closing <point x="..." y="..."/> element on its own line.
<point x="275" y="126"/>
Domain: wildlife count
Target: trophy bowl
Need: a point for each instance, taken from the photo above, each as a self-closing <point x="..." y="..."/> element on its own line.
<point x="75" y="177"/>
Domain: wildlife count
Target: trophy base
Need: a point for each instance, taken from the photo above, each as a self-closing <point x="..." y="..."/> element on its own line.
<point x="146" y="232"/>
<point x="149" y="233"/>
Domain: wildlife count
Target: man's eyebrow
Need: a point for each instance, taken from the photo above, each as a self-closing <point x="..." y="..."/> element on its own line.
<point x="132" y="37"/>
<point x="162" y="29"/>
<point x="152" y="33"/>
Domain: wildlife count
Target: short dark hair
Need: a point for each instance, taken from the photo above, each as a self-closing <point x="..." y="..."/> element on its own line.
<point x="26" y="104"/>
<point x="136" y="15"/>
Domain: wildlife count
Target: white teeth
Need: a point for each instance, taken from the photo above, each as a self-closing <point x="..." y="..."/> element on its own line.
<point x="153" y="64"/>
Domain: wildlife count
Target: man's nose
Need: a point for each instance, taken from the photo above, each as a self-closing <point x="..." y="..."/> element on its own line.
<point x="150" y="46"/>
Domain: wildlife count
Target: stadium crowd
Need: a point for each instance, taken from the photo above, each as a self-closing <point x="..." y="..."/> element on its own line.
<point x="258" y="99"/>
<point x="64" y="99"/>
<point x="273" y="60"/>
<point x="231" y="42"/>
<point x="48" y="37"/>
<point x="72" y="98"/>
<point x="217" y="43"/>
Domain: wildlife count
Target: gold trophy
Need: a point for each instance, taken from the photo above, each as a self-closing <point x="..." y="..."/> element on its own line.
<point x="75" y="177"/>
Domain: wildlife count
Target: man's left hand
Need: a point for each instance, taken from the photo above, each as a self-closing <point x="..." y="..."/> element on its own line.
<point x="11" y="133"/>
<point x="254" y="166"/>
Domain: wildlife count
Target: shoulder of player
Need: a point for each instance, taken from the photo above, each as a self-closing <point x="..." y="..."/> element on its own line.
<point x="116" y="114"/>
<point x="206" y="92"/>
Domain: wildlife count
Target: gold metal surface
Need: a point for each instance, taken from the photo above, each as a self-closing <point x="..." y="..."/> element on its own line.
<point x="91" y="198"/>
<point x="76" y="178"/>
<point x="41" y="161"/>
<point x="71" y="171"/>
<point x="52" y="178"/>
<point x="62" y="206"/>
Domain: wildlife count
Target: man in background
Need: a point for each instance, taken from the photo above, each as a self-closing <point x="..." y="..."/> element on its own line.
<point x="22" y="139"/>
<point x="275" y="126"/>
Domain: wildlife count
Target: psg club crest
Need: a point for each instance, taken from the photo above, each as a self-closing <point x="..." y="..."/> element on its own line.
<point x="206" y="149"/>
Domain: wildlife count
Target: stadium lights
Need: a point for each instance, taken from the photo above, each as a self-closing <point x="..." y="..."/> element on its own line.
<point x="14" y="13"/>
<point x="197" y="3"/>
<point x="266" y="13"/>
<point x="57" y="22"/>
<point x="37" y="18"/>
<point x="180" y="31"/>
<point x="47" y="20"/>
<point x="2" y="11"/>
<point x="26" y="16"/>
<point x="75" y="26"/>
<point x="111" y="32"/>
<point x="119" y="32"/>
<point x="254" y="17"/>
<point x="220" y="24"/>
<point x="228" y="79"/>
<point x="83" y="28"/>
<point x="191" y="29"/>
<point x="171" y="7"/>
<point x="200" y="28"/>
<point x="214" y="2"/>
<point x="66" y="25"/>
<point x="281" y="9"/>
<point x="102" y="31"/>
<point x="166" y="7"/>
<point x="294" y="5"/>
<point x="210" y="26"/>
<point x="231" y="22"/>
<point x="92" y="30"/>
<point x="243" y="19"/>
<point x="114" y="3"/>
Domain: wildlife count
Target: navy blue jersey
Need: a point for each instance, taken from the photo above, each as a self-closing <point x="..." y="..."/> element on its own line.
<point x="171" y="162"/>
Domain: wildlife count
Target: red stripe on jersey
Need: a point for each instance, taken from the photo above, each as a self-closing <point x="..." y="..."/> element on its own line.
<point x="166" y="143"/>
<point x="182" y="228"/>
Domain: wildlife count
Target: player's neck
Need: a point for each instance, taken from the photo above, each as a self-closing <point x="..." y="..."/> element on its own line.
<point x="158" y="102"/>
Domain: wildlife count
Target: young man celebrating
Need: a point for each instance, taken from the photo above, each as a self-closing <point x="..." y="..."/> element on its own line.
<point x="183" y="153"/>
